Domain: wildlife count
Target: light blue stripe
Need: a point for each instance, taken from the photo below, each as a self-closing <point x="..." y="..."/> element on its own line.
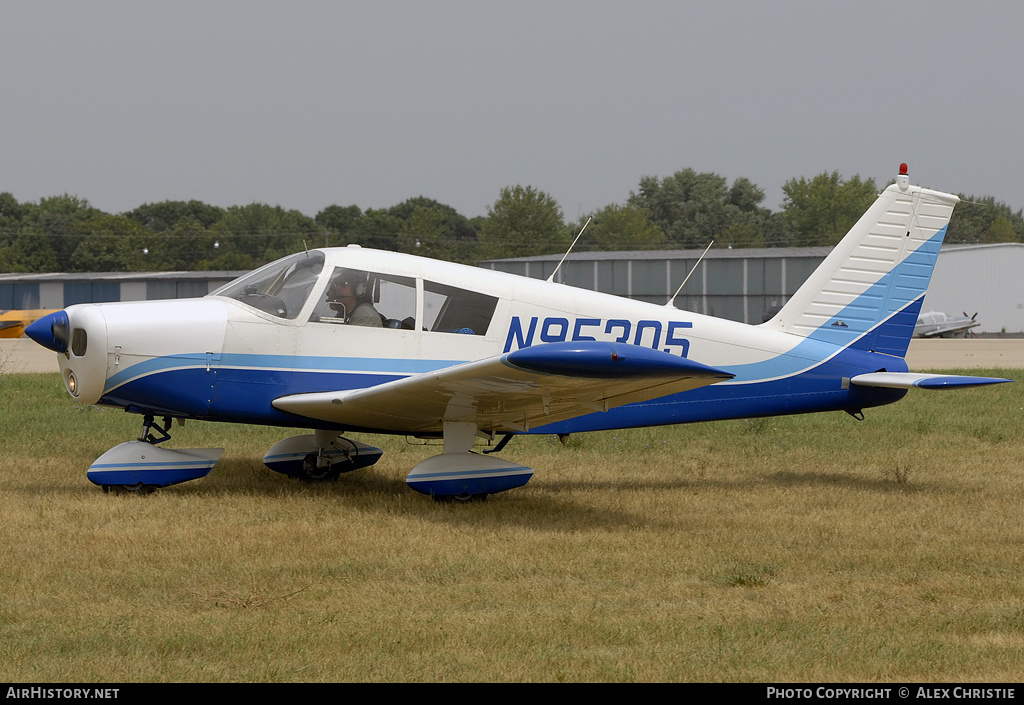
<point x="827" y="340"/>
<point x="893" y="292"/>
<point x="394" y="366"/>
<point x="299" y="455"/>
<point x="184" y="463"/>
<point x="493" y="472"/>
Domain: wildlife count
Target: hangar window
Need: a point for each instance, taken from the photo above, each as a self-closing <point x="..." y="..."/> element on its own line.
<point x="19" y="296"/>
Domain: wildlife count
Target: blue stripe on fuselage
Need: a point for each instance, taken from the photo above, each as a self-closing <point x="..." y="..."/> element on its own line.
<point x="280" y="363"/>
<point x="817" y="389"/>
<point x="892" y="337"/>
<point x="245" y="395"/>
<point x="241" y="395"/>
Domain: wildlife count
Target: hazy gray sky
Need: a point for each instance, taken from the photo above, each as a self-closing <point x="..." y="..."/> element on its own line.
<point x="305" y="104"/>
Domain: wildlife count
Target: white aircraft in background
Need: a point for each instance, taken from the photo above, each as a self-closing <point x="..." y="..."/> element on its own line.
<point x="349" y="340"/>
<point x="935" y="324"/>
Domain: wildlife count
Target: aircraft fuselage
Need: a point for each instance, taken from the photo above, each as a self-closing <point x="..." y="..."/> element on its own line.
<point x="222" y="358"/>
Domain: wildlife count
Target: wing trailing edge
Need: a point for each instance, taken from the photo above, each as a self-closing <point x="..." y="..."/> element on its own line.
<point x="515" y="391"/>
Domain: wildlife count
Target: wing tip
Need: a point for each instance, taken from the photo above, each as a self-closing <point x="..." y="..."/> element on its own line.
<point x="599" y="359"/>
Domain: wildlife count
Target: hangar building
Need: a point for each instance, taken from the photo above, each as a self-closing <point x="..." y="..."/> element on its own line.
<point x="739" y="284"/>
<point x="34" y="291"/>
<point x="749" y="285"/>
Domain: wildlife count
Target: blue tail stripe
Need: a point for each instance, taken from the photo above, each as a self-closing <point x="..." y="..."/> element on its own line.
<point x="877" y="319"/>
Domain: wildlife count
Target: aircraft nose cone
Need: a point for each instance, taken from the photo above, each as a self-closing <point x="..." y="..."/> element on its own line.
<point x="51" y="331"/>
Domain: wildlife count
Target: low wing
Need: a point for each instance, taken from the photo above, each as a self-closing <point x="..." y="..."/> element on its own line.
<point x="910" y="380"/>
<point x="944" y="330"/>
<point x="516" y="391"/>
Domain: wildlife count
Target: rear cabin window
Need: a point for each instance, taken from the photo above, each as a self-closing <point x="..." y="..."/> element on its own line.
<point x="449" y="309"/>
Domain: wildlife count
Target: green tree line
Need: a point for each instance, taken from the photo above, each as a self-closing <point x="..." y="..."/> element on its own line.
<point x="686" y="210"/>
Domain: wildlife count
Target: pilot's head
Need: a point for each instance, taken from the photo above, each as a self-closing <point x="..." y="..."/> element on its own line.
<point x="345" y="292"/>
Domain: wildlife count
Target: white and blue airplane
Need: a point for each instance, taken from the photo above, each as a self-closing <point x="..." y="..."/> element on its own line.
<point x="350" y="340"/>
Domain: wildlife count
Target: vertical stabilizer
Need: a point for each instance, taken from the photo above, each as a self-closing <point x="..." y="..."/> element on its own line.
<point x="869" y="290"/>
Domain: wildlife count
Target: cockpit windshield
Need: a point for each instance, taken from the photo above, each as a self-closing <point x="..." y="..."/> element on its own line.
<point x="280" y="288"/>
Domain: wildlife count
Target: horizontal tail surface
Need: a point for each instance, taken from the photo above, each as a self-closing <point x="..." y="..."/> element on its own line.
<point x="868" y="292"/>
<point x="914" y="380"/>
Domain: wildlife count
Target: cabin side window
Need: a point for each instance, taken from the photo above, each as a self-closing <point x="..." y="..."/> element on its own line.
<point x="449" y="309"/>
<point x="371" y="299"/>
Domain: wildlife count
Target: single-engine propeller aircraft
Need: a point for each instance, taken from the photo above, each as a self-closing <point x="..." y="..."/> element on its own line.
<point x="348" y="340"/>
<point x="936" y="324"/>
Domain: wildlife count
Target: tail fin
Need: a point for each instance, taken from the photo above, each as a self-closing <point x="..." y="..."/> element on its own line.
<point x="868" y="292"/>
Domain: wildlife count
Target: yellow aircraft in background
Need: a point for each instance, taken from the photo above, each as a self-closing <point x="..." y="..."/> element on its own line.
<point x="13" y="323"/>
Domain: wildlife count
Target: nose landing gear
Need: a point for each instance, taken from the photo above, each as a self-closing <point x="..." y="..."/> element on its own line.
<point x="141" y="466"/>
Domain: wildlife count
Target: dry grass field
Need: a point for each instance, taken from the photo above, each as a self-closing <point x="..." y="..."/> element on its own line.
<point x="814" y="548"/>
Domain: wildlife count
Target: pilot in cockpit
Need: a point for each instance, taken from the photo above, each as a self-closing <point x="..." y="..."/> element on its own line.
<point x="349" y="295"/>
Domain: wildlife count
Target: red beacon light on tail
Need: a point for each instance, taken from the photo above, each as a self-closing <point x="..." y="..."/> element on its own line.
<point x="903" y="180"/>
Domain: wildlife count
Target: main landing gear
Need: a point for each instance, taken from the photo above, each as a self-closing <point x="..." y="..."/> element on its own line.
<point x="320" y="456"/>
<point x="459" y="474"/>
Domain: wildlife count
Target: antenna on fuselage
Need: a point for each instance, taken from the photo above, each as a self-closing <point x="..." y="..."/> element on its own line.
<point x="552" y="277"/>
<point x="671" y="302"/>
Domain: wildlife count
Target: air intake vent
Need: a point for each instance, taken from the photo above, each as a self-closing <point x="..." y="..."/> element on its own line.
<point x="79" y="342"/>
